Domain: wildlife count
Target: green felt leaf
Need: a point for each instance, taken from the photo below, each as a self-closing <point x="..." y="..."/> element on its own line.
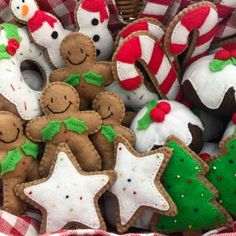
<point x="10" y="161"/>
<point x="73" y="80"/>
<point x="52" y="128"/>
<point x="30" y="149"/>
<point x="92" y="78"/>
<point x="233" y="60"/>
<point x="218" y="65"/>
<point x="75" y="125"/>
<point x="108" y="132"/>
<point x="3" y="53"/>
<point x="11" y="31"/>
<point x="146" y="120"/>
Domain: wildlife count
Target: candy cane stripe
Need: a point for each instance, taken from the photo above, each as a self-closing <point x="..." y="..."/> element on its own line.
<point x="156" y="60"/>
<point x="134" y="28"/>
<point x="174" y="90"/>
<point x="168" y="82"/>
<point x="207" y="37"/>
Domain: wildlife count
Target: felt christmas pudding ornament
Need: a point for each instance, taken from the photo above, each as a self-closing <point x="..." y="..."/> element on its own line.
<point x="222" y="173"/>
<point x="231" y="127"/>
<point x="63" y="123"/>
<point x="15" y="94"/>
<point x="18" y="160"/>
<point x="212" y="74"/>
<point x="68" y="197"/>
<point x="160" y="119"/>
<point x="81" y="70"/>
<point x="195" y="198"/>
<point x="112" y="111"/>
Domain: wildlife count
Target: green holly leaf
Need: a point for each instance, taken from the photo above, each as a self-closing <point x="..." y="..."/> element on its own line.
<point x="233" y="60"/>
<point x="73" y="79"/>
<point x="11" y="31"/>
<point x="52" y="128"/>
<point x="30" y="149"/>
<point x="75" y="125"/>
<point x="152" y="104"/>
<point x="11" y="160"/>
<point x="91" y="78"/>
<point x="108" y="132"/>
<point x="218" y="65"/>
<point x="3" y="53"/>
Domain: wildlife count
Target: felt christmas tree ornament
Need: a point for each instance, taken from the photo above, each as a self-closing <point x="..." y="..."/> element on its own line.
<point x="72" y="201"/>
<point x="15" y="94"/>
<point x="18" y="160"/>
<point x="222" y="173"/>
<point x="63" y="123"/>
<point x="137" y="175"/>
<point x="112" y="111"/>
<point x="205" y="76"/>
<point x="194" y="196"/>
<point x="81" y="70"/>
<point x="160" y="119"/>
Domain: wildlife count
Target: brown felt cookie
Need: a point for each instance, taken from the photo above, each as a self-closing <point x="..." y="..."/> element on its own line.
<point x="81" y="70"/>
<point x="112" y="110"/>
<point x="17" y="160"/>
<point x="68" y="197"/>
<point x="63" y="123"/>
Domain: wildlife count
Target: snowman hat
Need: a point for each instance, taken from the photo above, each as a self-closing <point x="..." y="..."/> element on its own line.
<point x="96" y="6"/>
<point x="40" y="17"/>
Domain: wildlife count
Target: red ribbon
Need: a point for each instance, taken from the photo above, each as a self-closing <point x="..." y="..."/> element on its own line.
<point x="225" y="54"/>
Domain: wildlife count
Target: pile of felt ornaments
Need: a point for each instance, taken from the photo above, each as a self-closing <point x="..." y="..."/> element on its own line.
<point x="133" y="132"/>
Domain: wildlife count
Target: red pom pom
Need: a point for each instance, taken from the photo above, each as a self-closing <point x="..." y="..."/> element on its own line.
<point x="233" y="53"/>
<point x="157" y="115"/>
<point x="234" y="118"/>
<point x="11" y="50"/>
<point x="205" y="156"/>
<point x="13" y="43"/>
<point x="164" y="106"/>
<point x="131" y="84"/>
<point x="223" y="55"/>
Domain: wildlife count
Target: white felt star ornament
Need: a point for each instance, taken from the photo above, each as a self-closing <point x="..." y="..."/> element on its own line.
<point x="68" y="195"/>
<point x="138" y="183"/>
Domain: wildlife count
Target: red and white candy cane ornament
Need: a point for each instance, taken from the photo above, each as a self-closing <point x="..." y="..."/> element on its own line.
<point x="201" y="17"/>
<point x="145" y="48"/>
<point x="225" y="8"/>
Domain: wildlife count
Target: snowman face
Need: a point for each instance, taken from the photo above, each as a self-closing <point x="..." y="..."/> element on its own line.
<point x="24" y="10"/>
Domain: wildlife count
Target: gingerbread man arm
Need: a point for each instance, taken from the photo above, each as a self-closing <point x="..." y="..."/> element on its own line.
<point x="3" y="154"/>
<point x="105" y="69"/>
<point x="126" y="133"/>
<point x="59" y="75"/>
<point x="34" y="128"/>
<point x="92" y="119"/>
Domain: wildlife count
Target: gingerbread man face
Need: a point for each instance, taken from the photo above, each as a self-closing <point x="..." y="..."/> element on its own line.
<point x="78" y="50"/>
<point x="109" y="106"/>
<point x="11" y="130"/>
<point x="59" y="98"/>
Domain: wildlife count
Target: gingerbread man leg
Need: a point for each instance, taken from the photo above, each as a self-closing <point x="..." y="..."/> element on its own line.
<point x="33" y="172"/>
<point x="11" y="203"/>
<point x="47" y="159"/>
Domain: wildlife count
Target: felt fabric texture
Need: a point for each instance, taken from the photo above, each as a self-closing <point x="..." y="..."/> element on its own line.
<point x="177" y="122"/>
<point x="79" y="55"/>
<point x="92" y="19"/>
<point x="17" y="160"/>
<point x="60" y="205"/>
<point x="204" y="81"/>
<point x="202" y="17"/>
<point x="193" y="195"/>
<point x="222" y="173"/>
<point x="16" y="95"/>
<point x="134" y="182"/>
<point x="231" y="128"/>
<point x="33" y="79"/>
<point x="112" y="111"/>
<point x="63" y="122"/>
<point x="145" y="48"/>
<point x="209" y="150"/>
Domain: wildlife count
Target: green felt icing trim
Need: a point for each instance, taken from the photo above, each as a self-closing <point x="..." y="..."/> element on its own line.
<point x="218" y="65"/>
<point x="191" y="196"/>
<point x="11" y="31"/>
<point x="3" y="53"/>
<point x="223" y="176"/>
<point x="108" y="132"/>
<point x="30" y="149"/>
<point x="10" y="162"/>
<point x="76" y="125"/>
<point x="73" y="80"/>
<point x="146" y="120"/>
<point x="91" y="78"/>
<point x="52" y="128"/>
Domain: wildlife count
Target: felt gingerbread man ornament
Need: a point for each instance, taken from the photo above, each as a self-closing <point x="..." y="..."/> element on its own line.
<point x="112" y="110"/>
<point x="63" y="123"/>
<point x="82" y="71"/>
<point x="17" y="160"/>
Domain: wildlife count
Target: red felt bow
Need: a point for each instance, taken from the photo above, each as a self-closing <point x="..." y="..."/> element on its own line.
<point x="225" y="54"/>
<point x="96" y="6"/>
<point x="160" y="111"/>
<point x="12" y="46"/>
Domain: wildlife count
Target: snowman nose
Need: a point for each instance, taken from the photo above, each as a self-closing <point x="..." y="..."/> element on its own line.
<point x="24" y="10"/>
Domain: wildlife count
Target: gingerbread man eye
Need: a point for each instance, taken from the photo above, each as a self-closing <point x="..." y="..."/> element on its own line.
<point x="109" y="108"/>
<point x="69" y="53"/>
<point x="14" y="124"/>
<point x="65" y="97"/>
<point x="81" y="50"/>
<point x="51" y="100"/>
<point x="0" y="133"/>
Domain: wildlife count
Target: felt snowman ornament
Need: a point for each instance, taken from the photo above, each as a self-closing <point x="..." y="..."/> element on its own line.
<point x="160" y="119"/>
<point x="231" y="127"/>
<point x="209" y="83"/>
<point x="15" y="94"/>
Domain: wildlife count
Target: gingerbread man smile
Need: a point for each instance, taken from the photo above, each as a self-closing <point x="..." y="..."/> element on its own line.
<point x="58" y="112"/>
<point x="76" y="63"/>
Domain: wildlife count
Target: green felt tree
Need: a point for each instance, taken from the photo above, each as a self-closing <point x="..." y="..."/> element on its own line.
<point x="193" y="195"/>
<point x="223" y="174"/>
